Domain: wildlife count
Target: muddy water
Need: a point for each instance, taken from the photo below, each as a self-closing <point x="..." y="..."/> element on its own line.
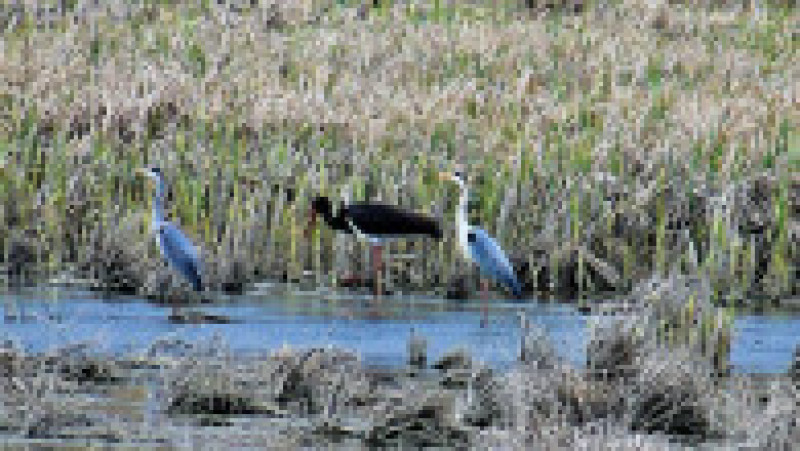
<point x="42" y="319"/>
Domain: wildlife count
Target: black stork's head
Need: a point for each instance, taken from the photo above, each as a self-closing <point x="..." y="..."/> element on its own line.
<point x="320" y="205"/>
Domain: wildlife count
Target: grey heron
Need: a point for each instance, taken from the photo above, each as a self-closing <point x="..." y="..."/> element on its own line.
<point x="478" y="247"/>
<point x="176" y="248"/>
<point x="374" y="223"/>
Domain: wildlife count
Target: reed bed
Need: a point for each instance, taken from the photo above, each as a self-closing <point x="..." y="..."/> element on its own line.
<point x="629" y="139"/>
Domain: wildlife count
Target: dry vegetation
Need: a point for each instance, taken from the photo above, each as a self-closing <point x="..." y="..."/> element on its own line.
<point x="633" y="137"/>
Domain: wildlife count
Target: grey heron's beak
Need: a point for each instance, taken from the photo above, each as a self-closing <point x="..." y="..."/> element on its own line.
<point x="144" y="172"/>
<point x="446" y="176"/>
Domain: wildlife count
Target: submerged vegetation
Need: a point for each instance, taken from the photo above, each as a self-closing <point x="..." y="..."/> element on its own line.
<point x="629" y="139"/>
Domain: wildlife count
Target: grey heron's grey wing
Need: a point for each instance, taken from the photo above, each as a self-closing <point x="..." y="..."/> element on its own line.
<point x="180" y="252"/>
<point x="491" y="259"/>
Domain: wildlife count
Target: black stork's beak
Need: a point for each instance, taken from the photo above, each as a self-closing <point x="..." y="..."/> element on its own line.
<point x="312" y="223"/>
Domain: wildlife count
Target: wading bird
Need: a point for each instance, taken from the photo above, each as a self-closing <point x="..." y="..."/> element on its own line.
<point x="478" y="247"/>
<point x="176" y="248"/>
<point x="374" y="223"/>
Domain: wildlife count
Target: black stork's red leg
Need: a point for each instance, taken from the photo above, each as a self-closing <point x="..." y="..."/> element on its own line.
<point x="377" y="267"/>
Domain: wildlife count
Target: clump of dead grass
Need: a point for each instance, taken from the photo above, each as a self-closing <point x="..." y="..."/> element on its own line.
<point x="42" y="395"/>
<point x="673" y="393"/>
<point x="614" y="346"/>
<point x="208" y="381"/>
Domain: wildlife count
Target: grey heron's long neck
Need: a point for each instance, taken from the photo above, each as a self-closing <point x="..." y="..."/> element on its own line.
<point x="461" y="213"/>
<point x="158" y="202"/>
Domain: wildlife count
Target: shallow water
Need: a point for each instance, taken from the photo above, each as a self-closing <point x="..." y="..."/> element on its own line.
<point x="42" y="319"/>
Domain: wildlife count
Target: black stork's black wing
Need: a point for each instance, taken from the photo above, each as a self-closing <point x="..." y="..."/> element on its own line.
<point x="381" y="219"/>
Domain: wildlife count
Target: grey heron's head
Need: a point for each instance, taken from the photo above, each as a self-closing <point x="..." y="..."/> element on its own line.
<point x="456" y="177"/>
<point x="153" y="173"/>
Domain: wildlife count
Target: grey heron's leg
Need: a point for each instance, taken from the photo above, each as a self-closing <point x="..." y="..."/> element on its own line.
<point x="485" y="300"/>
<point x="175" y="313"/>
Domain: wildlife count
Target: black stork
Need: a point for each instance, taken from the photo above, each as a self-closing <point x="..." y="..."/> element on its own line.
<point x="374" y="223"/>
